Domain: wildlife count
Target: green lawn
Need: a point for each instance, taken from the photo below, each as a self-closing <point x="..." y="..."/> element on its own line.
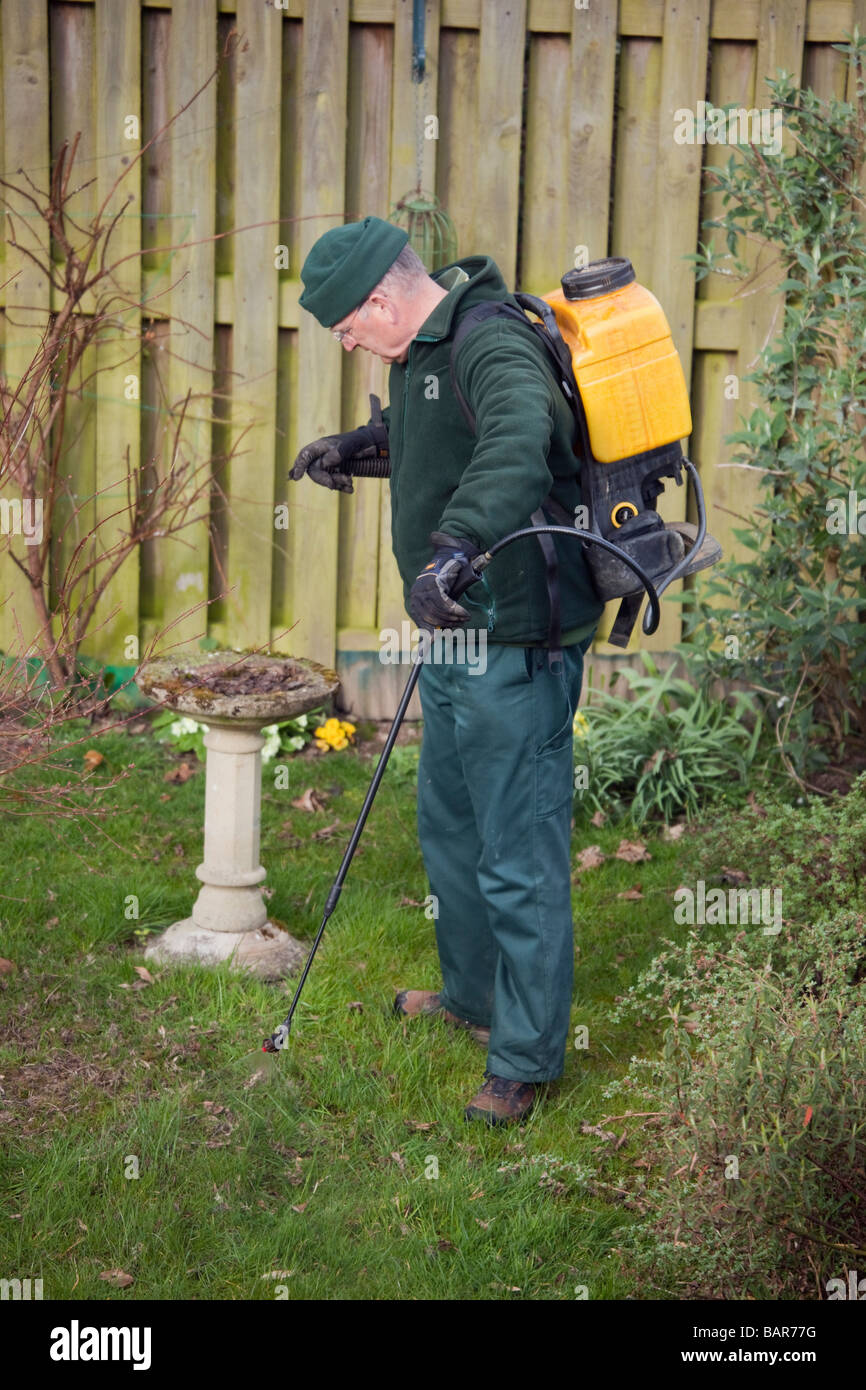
<point x="344" y="1169"/>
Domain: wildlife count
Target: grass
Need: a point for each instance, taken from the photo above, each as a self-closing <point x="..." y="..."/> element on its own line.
<point x="342" y="1168"/>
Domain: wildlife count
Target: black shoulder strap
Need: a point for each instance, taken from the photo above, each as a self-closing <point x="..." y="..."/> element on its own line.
<point x="494" y="308"/>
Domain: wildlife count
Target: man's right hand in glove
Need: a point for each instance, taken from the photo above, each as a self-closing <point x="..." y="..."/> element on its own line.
<point x="430" y="601"/>
<point x="325" y="459"/>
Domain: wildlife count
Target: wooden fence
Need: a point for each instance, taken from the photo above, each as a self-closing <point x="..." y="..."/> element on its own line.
<point x="555" y="131"/>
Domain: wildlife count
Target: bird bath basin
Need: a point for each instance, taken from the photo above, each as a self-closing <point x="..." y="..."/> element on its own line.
<point x="236" y="696"/>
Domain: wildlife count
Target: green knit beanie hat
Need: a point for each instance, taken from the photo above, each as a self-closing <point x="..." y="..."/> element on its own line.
<point x="347" y="263"/>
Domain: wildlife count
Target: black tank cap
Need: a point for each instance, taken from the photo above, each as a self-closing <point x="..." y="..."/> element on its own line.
<point x="597" y="278"/>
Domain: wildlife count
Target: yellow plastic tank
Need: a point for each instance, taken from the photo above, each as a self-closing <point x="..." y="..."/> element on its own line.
<point x="629" y="372"/>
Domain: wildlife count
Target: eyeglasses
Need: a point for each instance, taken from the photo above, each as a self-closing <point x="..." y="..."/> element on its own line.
<point x="341" y="333"/>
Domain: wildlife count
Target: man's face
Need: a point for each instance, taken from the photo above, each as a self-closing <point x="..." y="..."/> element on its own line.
<point x="383" y="325"/>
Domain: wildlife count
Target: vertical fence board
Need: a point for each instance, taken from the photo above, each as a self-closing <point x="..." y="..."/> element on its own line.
<point x="72" y="113"/>
<point x="287" y="493"/>
<point x="25" y="84"/>
<point x="546" y="226"/>
<point x="500" y="96"/>
<point x="192" y="60"/>
<point x="118" y="96"/>
<point x="459" y="136"/>
<point x="271" y="140"/>
<point x="370" y="91"/>
<point x="254" y="334"/>
<point x="314" y="530"/>
<point x="591" y="127"/>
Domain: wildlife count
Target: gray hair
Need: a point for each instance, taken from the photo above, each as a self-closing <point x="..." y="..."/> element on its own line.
<point x="404" y="276"/>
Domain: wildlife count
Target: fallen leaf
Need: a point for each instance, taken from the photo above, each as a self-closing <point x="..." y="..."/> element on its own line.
<point x="631" y="895"/>
<point x="409" y="902"/>
<point x="51" y="923"/>
<point x="180" y="774"/>
<point x="302" y="1206"/>
<point x="92" y="758"/>
<point x="598" y="819"/>
<point x="632" y="851"/>
<point x="117" y="1278"/>
<point x="166" y="796"/>
<point x="673" y="832"/>
<point x="398" y="1159"/>
<point x="591" y="857"/>
<point x="278" y="1274"/>
<point x="733" y="875"/>
<point x="356" y="1006"/>
<point x="310" y="801"/>
<point x="421" y="1124"/>
<point x="808" y="1116"/>
<point x="445" y="1245"/>
<point x="597" y="1130"/>
<point x="144" y="974"/>
<point x="7" y="966"/>
<point x="326" y="832"/>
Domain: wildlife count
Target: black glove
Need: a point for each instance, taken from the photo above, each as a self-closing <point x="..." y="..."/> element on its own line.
<point x="326" y="460"/>
<point x="430" y="601"/>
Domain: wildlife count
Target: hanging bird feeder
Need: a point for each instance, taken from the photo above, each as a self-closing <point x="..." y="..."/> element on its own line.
<point x="431" y="232"/>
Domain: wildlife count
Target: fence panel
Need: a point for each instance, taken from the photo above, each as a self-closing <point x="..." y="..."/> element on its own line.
<point x="555" y="132"/>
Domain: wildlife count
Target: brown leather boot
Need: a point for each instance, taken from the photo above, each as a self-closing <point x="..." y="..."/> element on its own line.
<point x="502" y="1102"/>
<point x="410" y="1003"/>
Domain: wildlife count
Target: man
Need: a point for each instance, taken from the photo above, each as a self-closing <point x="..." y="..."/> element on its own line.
<point x="495" y="779"/>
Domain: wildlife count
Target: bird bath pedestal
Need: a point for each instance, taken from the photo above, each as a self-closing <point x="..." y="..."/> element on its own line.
<point x="236" y="696"/>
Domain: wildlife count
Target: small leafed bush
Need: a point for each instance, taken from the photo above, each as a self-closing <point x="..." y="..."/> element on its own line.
<point x="756" y="1125"/>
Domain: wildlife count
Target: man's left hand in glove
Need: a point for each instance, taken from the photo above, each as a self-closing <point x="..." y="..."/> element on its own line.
<point x="430" y="601"/>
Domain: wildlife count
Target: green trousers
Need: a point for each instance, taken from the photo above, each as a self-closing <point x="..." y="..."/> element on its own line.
<point x="495" y="790"/>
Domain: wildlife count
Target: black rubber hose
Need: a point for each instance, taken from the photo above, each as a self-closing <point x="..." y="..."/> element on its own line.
<point x="654" y="613"/>
<point x="368" y="468"/>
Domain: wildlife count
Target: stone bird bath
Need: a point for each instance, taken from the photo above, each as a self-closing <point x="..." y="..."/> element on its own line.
<point x="236" y="696"/>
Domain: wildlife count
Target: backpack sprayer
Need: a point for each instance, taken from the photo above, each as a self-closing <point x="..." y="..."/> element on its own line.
<point x="615" y="361"/>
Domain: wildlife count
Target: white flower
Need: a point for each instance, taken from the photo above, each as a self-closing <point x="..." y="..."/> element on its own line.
<point x="185" y="726"/>
<point x="271" y="745"/>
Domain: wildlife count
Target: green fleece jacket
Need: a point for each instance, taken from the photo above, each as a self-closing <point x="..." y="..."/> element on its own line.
<point x="482" y="486"/>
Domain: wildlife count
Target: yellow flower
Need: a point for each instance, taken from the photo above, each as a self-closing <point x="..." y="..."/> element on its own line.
<point x="581" y="725"/>
<point x="322" y="745"/>
<point x="320" y="732"/>
<point x="342" y="743"/>
<point x="346" y="727"/>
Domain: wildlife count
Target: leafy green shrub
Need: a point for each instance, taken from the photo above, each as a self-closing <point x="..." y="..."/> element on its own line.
<point x="667" y="751"/>
<point x="756" y="1132"/>
<point x="795" y="605"/>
